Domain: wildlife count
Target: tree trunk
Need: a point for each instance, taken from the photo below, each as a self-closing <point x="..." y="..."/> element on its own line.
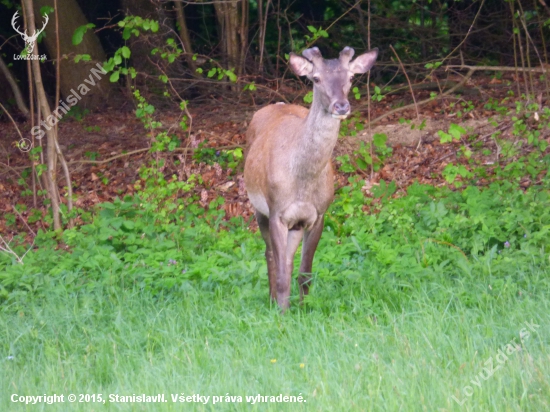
<point x="73" y="74"/>
<point x="184" y="36"/>
<point x="50" y="175"/>
<point x="14" y="88"/>
<point x="233" y="31"/>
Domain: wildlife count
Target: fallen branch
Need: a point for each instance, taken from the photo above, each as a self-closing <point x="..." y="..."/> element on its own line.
<point x="177" y="149"/>
<point x="23" y="220"/>
<point x="443" y="158"/>
<point x="6" y="248"/>
<point x="412" y="93"/>
<point x="13" y="121"/>
<point x="498" y="68"/>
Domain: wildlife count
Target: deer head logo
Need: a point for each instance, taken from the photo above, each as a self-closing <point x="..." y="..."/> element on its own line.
<point x="29" y="40"/>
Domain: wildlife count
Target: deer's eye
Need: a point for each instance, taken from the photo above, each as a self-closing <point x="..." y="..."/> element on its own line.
<point x="351" y="78"/>
<point x="316" y="79"/>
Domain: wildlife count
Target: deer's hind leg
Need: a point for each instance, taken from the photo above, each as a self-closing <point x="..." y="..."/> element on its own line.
<point x="263" y="223"/>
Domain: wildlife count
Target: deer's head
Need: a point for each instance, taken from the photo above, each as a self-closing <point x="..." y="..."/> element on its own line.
<point x="332" y="78"/>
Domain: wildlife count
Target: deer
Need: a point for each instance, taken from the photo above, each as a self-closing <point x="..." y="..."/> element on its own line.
<point x="288" y="171"/>
<point x="29" y="40"/>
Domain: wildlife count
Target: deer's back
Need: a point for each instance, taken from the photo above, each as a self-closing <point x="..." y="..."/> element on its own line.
<point x="273" y="117"/>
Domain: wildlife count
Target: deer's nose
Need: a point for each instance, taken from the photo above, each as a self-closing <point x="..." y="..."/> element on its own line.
<point x="341" y="107"/>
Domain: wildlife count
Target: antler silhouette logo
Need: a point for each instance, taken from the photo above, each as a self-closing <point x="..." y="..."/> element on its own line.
<point x="30" y="40"/>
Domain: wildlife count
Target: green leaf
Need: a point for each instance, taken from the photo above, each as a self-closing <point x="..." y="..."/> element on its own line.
<point x="347" y="208"/>
<point x="456" y="131"/>
<point x="114" y="77"/>
<point x="312" y="29"/>
<point x="380" y="139"/>
<point x="232" y="76"/>
<point x="83" y="57"/>
<point x="128" y="224"/>
<point x="444" y="137"/>
<point x="380" y="190"/>
<point x="392" y="188"/>
<point x="109" y="65"/>
<point x="361" y="163"/>
<point x="78" y="35"/>
<point x="211" y="72"/>
<point x="125" y="52"/>
<point x="46" y="10"/>
<point x="154" y="26"/>
<point x="126" y="33"/>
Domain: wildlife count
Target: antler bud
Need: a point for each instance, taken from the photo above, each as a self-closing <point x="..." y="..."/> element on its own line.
<point x="345" y="55"/>
<point x="313" y="55"/>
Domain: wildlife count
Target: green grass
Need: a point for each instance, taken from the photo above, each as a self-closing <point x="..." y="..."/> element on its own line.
<point x="112" y="341"/>
<point x="410" y="309"/>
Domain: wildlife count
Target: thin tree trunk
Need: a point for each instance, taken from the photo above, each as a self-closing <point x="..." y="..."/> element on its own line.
<point x="232" y="34"/>
<point x="50" y="175"/>
<point x="263" y="26"/>
<point x="33" y="156"/>
<point x="243" y="33"/>
<point x="184" y="36"/>
<point x="14" y="88"/>
<point x="57" y="99"/>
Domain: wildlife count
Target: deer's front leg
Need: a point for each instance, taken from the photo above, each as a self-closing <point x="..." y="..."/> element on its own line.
<point x="278" y="233"/>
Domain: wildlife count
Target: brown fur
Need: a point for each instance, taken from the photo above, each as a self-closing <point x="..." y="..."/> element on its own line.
<point x="288" y="171"/>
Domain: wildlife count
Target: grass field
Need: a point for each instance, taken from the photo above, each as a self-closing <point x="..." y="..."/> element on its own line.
<point x="395" y="320"/>
<point x="213" y="344"/>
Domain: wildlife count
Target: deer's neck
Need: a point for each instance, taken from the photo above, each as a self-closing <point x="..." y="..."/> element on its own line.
<point x="317" y="140"/>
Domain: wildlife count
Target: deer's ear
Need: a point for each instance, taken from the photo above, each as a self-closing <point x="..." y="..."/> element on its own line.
<point x="299" y="65"/>
<point x="364" y="62"/>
